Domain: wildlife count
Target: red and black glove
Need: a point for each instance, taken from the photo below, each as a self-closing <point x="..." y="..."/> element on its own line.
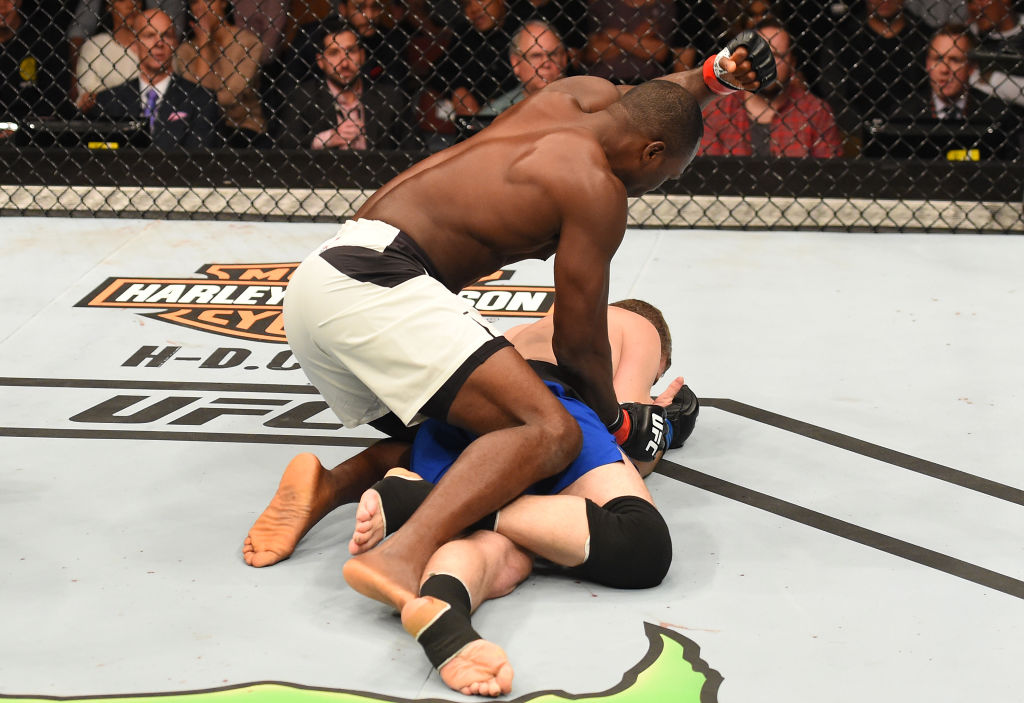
<point x="761" y="59"/>
<point x="640" y="430"/>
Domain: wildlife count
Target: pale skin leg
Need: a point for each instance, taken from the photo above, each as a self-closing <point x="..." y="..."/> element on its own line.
<point x="554" y="527"/>
<point x="505" y="403"/>
<point x="490" y="566"/>
<point x="307" y="492"/>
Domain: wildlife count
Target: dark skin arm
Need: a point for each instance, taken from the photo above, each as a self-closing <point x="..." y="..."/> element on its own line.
<point x="592" y="229"/>
<point x="595" y="94"/>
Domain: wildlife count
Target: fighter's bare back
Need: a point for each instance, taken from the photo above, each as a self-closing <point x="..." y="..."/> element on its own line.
<point x="505" y="194"/>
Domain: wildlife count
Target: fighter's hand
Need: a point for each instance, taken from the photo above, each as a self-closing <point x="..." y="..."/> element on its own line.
<point x="665" y="399"/>
<point x="640" y="431"/>
<point x="746" y="63"/>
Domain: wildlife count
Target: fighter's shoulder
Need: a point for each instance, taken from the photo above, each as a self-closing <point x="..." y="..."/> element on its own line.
<point x="571" y="161"/>
<point x="589" y="92"/>
<point x="630" y="323"/>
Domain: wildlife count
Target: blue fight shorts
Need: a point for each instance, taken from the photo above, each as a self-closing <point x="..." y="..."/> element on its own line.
<point x="438" y="445"/>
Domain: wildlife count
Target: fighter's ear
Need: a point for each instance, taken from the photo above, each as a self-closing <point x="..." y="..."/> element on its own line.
<point x="652" y="150"/>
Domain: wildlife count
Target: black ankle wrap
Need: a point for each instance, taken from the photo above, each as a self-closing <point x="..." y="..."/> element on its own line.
<point x="399" y="498"/>
<point x="449" y="633"/>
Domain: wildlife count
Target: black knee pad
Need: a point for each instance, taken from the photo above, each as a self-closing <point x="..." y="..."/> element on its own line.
<point x="630" y="545"/>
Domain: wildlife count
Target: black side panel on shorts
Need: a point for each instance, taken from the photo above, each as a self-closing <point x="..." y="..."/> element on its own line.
<point x="438" y="405"/>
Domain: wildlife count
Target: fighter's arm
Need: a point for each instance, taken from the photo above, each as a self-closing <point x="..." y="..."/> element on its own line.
<point x="593" y="224"/>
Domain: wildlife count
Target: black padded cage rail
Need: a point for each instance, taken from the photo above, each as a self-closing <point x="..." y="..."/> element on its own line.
<point x="890" y="115"/>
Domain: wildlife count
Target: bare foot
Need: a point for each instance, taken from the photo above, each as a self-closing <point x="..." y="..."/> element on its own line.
<point x="303" y="497"/>
<point x="378" y="575"/>
<point x="371" y="526"/>
<point x="481" y="668"/>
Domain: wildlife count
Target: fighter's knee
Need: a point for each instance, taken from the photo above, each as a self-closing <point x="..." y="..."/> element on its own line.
<point x="562" y="437"/>
<point x="630" y="544"/>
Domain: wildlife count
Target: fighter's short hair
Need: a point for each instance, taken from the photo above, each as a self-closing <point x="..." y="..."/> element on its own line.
<point x="667" y="112"/>
<point x="654" y="316"/>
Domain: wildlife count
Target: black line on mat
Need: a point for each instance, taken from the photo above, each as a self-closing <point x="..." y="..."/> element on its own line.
<point x="819" y="434"/>
<point x="843" y="529"/>
<point x="186" y="436"/>
<point x="873" y="451"/>
<point x="157" y="385"/>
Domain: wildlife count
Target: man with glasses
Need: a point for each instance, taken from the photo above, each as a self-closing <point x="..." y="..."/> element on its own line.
<point x="538" y="57"/>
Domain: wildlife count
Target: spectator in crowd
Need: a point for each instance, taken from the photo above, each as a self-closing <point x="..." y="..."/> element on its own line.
<point x="225" y="59"/>
<point x="107" y="59"/>
<point x="538" y="57"/>
<point x="181" y="114"/>
<point x="949" y="99"/>
<point x="340" y="110"/>
<point x="871" y="63"/>
<point x="630" y="40"/>
<point x="266" y="19"/>
<point x="1000" y="33"/>
<point x="782" y="119"/>
<point x="34" y="79"/>
<point x="938" y="13"/>
<point x="470" y="74"/>
<point x="87" y="16"/>
<point x="569" y="18"/>
<point x="700" y="26"/>
<point x="382" y="44"/>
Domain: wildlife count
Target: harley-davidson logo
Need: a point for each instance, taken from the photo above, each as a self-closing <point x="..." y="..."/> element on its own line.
<point x="245" y="300"/>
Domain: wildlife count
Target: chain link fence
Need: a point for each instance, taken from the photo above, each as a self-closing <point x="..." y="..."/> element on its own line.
<point x="888" y="114"/>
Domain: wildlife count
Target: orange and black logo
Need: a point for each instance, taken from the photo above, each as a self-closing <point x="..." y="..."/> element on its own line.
<point x="245" y="300"/>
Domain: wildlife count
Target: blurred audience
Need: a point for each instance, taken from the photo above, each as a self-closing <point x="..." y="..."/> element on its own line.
<point x="180" y="114"/>
<point x="468" y="75"/>
<point x="34" y="80"/>
<point x="88" y="15"/>
<point x="382" y="43"/>
<point x="538" y="57"/>
<point x="871" y="63"/>
<point x="225" y="59"/>
<point x="107" y="59"/>
<point x="938" y="13"/>
<point x="630" y="39"/>
<point x="341" y="110"/>
<point x="988" y="124"/>
<point x="568" y="18"/>
<point x="1000" y="33"/>
<point x="266" y="19"/>
<point x="782" y="119"/>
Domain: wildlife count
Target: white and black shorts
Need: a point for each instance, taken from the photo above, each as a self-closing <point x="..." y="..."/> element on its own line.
<point x="375" y="330"/>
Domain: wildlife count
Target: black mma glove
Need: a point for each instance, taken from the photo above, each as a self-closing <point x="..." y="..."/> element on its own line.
<point x="761" y="59"/>
<point x="681" y="415"/>
<point x="640" y="430"/>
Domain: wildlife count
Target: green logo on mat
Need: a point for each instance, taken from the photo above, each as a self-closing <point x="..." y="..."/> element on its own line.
<point x="672" y="670"/>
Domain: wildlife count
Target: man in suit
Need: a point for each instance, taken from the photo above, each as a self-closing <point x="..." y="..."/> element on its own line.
<point x="340" y="110"/>
<point x="180" y="113"/>
<point x="950" y="100"/>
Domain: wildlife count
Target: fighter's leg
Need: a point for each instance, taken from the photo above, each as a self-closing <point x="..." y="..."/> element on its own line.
<point x="461" y="575"/>
<point x="307" y="492"/>
<point x="524" y="435"/>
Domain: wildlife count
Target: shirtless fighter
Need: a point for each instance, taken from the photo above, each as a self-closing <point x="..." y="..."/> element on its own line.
<point x="374" y="318"/>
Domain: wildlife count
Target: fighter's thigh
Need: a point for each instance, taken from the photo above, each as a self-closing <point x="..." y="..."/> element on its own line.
<point x="609" y="481"/>
<point x="504" y="392"/>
